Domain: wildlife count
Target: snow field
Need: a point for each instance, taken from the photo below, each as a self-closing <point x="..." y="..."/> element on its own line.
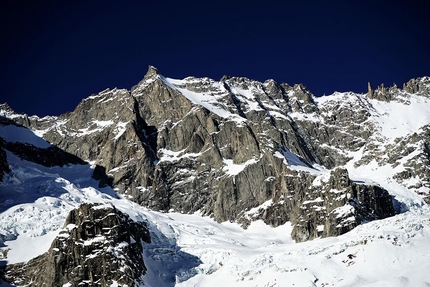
<point x="190" y="250"/>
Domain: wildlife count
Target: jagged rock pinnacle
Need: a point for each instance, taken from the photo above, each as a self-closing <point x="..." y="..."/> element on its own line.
<point x="369" y="89"/>
<point x="382" y="89"/>
<point x="225" y="77"/>
<point x="152" y="71"/>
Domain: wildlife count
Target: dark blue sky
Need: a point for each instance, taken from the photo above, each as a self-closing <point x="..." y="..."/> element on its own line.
<point x="52" y="55"/>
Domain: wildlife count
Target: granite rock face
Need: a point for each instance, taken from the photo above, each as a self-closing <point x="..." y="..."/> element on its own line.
<point x="98" y="246"/>
<point x="242" y="150"/>
<point x="341" y="206"/>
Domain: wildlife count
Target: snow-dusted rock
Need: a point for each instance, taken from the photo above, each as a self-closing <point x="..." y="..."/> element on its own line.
<point x="98" y="246"/>
<point x="271" y="158"/>
<point x="226" y="148"/>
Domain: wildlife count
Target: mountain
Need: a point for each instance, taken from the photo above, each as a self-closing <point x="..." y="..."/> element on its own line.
<point x="150" y="186"/>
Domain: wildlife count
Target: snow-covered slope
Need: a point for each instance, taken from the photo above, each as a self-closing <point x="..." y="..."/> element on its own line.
<point x="191" y="250"/>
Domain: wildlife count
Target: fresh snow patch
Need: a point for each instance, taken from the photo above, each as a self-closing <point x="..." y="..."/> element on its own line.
<point x="316" y="200"/>
<point x="264" y="206"/>
<point x="91" y="241"/>
<point x="306" y="117"/>
<point x="120" y="129"/>
<point x="103" y="123"/>
<point x="28" y="246"/>
<point x="276" y="114"/>
<point x="11" y="133"/>
<point x="234" y="169"/>
<point x="202" y="99"/>
<point x="70" y="226"/>
<point x="395" y="119"/>
<point x="294" y="163"/>
<point x="248" y="98"/>
<point x="89" y="130"/>
<point x="169" y="155"/>
<point x="344" y="210"/>
<point x="321" y="179"/>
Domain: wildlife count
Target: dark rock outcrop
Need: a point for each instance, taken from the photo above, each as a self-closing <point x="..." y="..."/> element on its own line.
<point x="47" y="156"/>
<point x="326" y="208"/>
<point x="51" y="156"/>
<point x="99" y="245"/>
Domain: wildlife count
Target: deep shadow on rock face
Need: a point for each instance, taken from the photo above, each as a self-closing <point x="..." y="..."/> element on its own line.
<point x="100" y="174"/>
<point x="42" y="162"/>
<point x="4" y="167"/>
<point x="49" y="156"/>
<point x="167" y="263"/>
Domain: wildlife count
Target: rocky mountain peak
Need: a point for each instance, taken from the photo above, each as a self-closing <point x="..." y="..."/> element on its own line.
<point x="151" y="75"/>
<point x="417" y="85"/>
<point x="152" y="71"/>
<point x="225" y="77"/>
<point x="225" y="148"/>
<point x="6" y="109"/>
<point x="300" y="87"/>
<point x="234" y="150"/>
<point x="369" y="88"/>
<point x="380" y="93"/>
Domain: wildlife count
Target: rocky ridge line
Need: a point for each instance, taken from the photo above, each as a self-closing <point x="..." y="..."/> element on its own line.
<point x="239" y="149"/>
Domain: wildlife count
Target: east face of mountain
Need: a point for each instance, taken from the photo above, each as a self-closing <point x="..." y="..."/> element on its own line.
<point x="241" y="150"/>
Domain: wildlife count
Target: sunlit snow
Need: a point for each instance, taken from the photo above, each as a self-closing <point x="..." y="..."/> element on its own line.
<point x="197" y="251"/>
<point x="234" y="169"/>
<point x="203" y="99"/>
<point x="396" y="119"/>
